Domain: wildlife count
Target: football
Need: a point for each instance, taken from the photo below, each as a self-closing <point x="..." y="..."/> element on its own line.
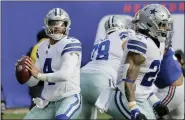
<point x="22" y="74"/>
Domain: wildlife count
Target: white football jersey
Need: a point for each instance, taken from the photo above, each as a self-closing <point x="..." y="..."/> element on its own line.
<point x="149" y="69"/>
<point x="49" y="60"/>
<point x="107" y="53"/>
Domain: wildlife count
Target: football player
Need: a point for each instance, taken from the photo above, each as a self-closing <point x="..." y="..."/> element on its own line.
<point x="58" y="65"/>
<point x="36" y="90"/>
<point x="101" y="72"/>
<point x="140" y="65"/>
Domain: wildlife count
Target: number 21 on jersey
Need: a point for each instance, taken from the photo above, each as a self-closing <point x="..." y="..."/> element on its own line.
<point x="150" y="77"/>
<point x="101" y="51"/>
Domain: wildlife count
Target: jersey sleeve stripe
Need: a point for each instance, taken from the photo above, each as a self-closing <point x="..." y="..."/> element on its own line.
<point x="138" y="43"/>
<point x="71" y="49"/>
<point x="136" y="48"/>
<point x="123" y="35"/>
<point x="72" y="45"/>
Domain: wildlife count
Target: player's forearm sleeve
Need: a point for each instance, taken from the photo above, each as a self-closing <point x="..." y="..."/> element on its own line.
<point x="69" y="63"/>
<point x="32" y="82"/>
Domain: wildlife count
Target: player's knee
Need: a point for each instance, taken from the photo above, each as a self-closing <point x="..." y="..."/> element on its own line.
<point x="62" y="117"/>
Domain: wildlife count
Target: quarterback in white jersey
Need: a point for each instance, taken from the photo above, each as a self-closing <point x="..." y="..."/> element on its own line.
<point x="140" y="65"/>
<point x="101" y="72"/>
<point x="58" y="65"/>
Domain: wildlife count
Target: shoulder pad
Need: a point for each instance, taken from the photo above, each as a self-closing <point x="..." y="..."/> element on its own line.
<point x="137" y="44"/>
<point x="73" y="44"/>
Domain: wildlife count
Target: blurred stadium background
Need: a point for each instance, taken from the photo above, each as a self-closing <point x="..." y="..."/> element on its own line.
<point x="21" y="21"/>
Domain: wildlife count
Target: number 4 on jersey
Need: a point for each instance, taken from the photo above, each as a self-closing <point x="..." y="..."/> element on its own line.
<point x="47" y="68"/>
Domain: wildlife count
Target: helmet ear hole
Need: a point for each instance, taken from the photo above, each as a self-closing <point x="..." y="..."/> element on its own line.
<point x="160" y="24"/>
<point x="65" y="23"/>
<point x="163" y="34"/>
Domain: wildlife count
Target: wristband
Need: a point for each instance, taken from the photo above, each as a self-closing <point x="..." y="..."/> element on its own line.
<point x="42" y="77"/>
<point x="132" y="105"/>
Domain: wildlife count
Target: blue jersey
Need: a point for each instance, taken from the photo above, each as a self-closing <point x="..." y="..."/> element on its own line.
<point x="170" y="70"/>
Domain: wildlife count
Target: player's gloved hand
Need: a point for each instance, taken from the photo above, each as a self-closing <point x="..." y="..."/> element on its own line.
<point x="137" y="115"/>
<point x="160" y="109"/>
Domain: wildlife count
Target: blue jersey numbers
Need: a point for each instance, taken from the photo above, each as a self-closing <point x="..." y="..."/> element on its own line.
<point x="47" y="68"/>
<point x="149" y="77"/>
<point x="101" y="51"/>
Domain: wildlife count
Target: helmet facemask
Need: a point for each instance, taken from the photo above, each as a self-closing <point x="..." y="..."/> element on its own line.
<point x="168" y="41"/>
<point x="56" y="29"/>
<point x="163" y="32"/>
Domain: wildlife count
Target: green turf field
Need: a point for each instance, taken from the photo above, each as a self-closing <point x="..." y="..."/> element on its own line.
<point x="21" y="116"/>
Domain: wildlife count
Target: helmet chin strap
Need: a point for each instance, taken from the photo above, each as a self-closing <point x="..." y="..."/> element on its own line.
<point x="158" y="37"/>
<point x="57" y="37"/>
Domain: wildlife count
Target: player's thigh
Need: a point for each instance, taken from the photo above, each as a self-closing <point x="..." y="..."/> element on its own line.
<point x="117" y="107"/>
<point x="41" y="113"/>
<point x="171" y="96"/>
<point x="86" y="109"/>
<point x="89" y="111"/>
<point x="69" y="108"/>
<point x="92" y="84"/>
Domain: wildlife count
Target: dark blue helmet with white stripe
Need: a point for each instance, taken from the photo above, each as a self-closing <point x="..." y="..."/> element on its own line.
<point x="117" y="22"/>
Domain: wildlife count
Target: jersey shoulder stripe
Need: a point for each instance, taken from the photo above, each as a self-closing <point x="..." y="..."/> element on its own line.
<point x="71" y="49"/>
<point x="138" y="43"/>
<point x="136" y="46"/>
<point x="73" y="44"/>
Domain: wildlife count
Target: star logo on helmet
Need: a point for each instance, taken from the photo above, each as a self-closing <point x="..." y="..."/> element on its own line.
<point x="153" y="11"/>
